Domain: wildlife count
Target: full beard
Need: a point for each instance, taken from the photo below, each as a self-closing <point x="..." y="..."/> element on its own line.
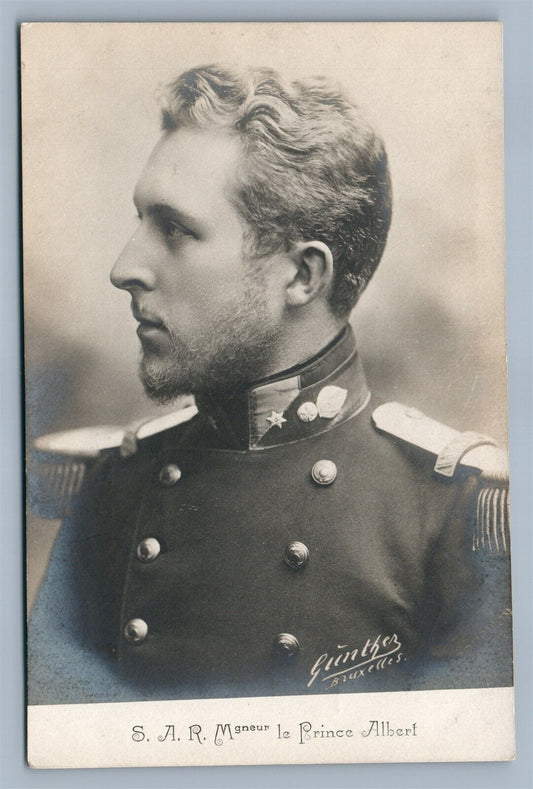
<point x="234" y="350"/>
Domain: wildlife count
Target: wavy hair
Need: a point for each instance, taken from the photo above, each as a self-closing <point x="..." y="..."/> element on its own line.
<point x="316" y="170"/>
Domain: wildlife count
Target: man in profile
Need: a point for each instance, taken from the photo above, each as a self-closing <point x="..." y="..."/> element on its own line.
<point x="289" y="534"/>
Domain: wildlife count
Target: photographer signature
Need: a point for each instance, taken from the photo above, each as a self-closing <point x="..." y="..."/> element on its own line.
<point x="353" y="663"/>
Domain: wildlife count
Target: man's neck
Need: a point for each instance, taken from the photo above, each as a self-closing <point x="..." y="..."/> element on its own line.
<point x="302" y="342"/>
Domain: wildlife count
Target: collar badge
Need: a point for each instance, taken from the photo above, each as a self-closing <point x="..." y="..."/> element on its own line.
<point x="307" y="412"/>
<point x="276" y="419"/>
<point x="330" y="400"/>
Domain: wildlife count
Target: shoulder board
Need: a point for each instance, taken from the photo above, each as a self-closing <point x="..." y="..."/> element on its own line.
<point x="61" y="459"/>
<point x="146" y="429"/>
<point x="454" y="451"/>
<point x="88" y="443"/>
<point x="85" y="443"/>
<point x="451" y="448"/>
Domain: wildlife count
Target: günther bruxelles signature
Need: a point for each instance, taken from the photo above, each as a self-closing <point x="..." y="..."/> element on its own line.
<point x="349" y="663"/>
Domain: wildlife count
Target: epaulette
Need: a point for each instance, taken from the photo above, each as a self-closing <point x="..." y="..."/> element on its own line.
<point x="454" y="453"/>
<point x="60" y="460"/>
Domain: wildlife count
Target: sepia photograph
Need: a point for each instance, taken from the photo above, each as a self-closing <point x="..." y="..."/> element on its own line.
<point x="266" y="393"/>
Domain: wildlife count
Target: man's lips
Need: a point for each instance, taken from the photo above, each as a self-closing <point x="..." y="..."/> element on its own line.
<point x="151" y="332"/>
<point x="150" y="324"/>
<point x="150" y="328"/>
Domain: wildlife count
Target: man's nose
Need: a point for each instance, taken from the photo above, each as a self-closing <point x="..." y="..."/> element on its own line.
<point x="132" y="269"/>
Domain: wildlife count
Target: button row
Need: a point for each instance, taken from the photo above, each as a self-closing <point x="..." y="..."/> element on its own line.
<point x="285" y="644"/>
<point x="296" y="554"/>
<point x="324" y="472"/>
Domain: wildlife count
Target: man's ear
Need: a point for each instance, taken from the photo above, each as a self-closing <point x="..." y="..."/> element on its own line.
<point x="314" y="272"/>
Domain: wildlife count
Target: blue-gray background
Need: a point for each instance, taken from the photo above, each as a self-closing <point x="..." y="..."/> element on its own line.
<point x="517" y="18"/>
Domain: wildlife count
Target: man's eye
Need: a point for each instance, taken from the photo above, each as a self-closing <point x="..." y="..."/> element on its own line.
<point x="174" y="231"/>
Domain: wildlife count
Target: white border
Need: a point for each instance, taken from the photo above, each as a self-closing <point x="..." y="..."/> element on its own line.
<point x="418" y="726"/>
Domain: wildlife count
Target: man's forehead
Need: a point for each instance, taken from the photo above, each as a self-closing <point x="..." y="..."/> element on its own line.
<point x="190" y="163"/>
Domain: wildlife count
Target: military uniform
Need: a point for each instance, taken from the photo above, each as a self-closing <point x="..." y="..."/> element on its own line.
<point x="294" y="538"/>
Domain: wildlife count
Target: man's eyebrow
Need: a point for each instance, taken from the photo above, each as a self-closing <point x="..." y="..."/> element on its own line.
<point x="166" y="211"/>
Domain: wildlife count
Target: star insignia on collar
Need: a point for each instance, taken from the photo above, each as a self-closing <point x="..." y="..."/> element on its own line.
<point x="276" y="419"/>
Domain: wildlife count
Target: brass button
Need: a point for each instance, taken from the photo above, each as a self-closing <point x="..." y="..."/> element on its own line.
<point x="307" y="412"/>
<point x="169" y="475"/>
<point x="296" y="554"/>
<point x="324" y="472"/>
<point x="148" y="550"/>
<point x="286" y="644"/>
<point x="136" y="631"/>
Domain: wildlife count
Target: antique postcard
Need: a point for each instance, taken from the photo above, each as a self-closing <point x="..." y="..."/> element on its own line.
<point x="266" y="404"/>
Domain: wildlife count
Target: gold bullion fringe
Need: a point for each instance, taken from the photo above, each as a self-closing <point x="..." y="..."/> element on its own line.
<point x="492" y="521"/>
<point x="58" y="484"/>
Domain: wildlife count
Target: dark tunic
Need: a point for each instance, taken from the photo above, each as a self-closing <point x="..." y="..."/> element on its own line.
<point x="390" y="594"/>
